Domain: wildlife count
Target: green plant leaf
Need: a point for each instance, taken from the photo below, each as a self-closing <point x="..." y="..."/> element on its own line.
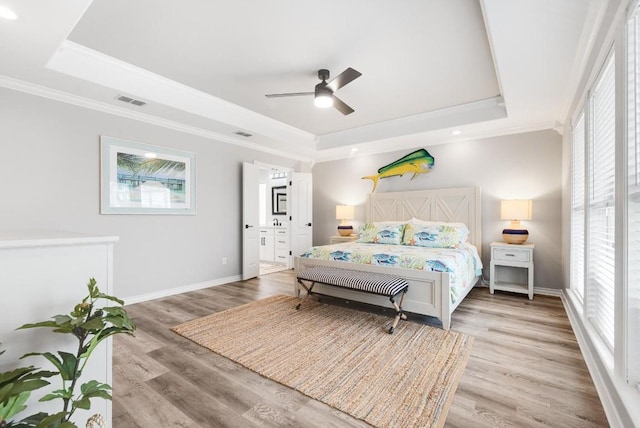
<point x="93" y="289"/>
<point x="83" y="403"/>
<point x="111" y="298"/>
<point x="58" y="393"/>
<point x="69" y="365"/>
<point x="27" y="386"/>
<point x="92" y="389"/>
<point x="93" y="385"/>
<point x="4" y="392"/>
<point x="15" y="374"/>
<point x="38" y="324"/>
<point x="62" y="319"/>
<point x="14" y="405"/>
<point x="93" y="324"/>
<point x="40" y="374"/>
<point x="118" y="317"/>
<point x="49" y="356"/>
<point x="30" y="421"/>
<point x="52" y="421"/>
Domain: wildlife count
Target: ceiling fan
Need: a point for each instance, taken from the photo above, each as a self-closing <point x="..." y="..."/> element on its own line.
<point x="324" y="92"/>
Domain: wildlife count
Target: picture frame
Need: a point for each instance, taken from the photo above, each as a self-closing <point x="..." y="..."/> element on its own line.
<point x="137" y="178"/>
<point x="279" y="200"/>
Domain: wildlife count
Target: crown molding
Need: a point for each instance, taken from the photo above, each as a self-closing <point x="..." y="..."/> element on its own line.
<point x="463" y="114"/>
<point x="87" y="64"/>
<point x="430" y="139"/>
<point x="56" y="95"/>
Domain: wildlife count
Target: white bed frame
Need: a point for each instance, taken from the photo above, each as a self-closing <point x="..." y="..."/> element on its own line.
<point x="429" y="292"/>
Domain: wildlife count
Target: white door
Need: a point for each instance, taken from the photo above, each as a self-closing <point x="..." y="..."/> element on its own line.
<point x="301" y="192"/>
<point x="250" y="220"/>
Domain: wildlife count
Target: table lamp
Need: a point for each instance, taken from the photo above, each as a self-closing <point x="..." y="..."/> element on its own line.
<point x="344" y="213"/>
<point x="515" y="210"/>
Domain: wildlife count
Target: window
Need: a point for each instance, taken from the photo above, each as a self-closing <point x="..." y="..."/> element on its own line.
<point x="633" y="201"/>
<point x="600" y="286"/>
<point x="577" y="207"/>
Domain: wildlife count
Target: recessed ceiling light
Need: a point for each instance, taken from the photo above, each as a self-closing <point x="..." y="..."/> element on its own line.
<point x="456" y="132"/>
<point x="7" y="13"/>
<point x="354" y="149"/>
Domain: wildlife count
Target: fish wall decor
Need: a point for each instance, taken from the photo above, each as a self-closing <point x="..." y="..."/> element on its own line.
<point x="418" y="162"/>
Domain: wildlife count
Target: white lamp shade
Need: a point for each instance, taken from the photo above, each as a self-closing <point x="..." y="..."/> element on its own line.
<point x="518" y="209"/>
<point x="344" y="212"/>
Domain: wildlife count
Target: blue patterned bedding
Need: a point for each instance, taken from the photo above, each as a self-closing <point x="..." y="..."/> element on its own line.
<point x="462" y="263"/>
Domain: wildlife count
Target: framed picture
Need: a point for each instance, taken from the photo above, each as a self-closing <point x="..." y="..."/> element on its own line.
<point x="139" y="178"/>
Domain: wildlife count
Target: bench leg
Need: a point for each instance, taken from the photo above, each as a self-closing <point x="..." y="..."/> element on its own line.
<point x="398" y="309"/>
<point x="308" y="290"/>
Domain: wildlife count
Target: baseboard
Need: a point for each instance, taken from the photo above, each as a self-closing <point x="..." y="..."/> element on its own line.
<point x="179" y="290"/>
<point x="601" y="378"/>
<point x="547" y="291"/>
<point x="536" y="290"/>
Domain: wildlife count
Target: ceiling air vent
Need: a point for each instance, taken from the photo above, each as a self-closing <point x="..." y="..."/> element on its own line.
<point x="244" y="134"/>
<point x="130" y="100"/>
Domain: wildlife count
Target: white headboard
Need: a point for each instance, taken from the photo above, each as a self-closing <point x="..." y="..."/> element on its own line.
<point x="458" y="204"/>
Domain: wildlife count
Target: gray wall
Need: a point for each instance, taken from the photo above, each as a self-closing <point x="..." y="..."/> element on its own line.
<point x="49" y="165"/>
<point x="523" y="166"/>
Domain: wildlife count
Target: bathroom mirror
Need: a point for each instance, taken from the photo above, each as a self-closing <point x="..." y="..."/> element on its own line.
<point x="279" y="200"/>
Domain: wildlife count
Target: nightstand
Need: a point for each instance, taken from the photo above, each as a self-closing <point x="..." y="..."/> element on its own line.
<point x="515" y="256"/>
<point x="337" y="239"/>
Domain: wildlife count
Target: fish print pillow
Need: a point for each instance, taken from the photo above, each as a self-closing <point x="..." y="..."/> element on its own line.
<point x="435" y="235"/>
<point x="381" y="233"/>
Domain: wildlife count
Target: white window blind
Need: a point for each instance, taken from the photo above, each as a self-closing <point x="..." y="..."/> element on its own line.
<point x="601" y="200"/>
<point x="577" y="206"/>
<point x="633" y="202"/>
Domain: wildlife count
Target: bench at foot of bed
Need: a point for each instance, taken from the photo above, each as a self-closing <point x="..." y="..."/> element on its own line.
<point x="367" y="282"/>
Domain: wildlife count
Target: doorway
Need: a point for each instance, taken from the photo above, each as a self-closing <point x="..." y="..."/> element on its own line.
<point x="274" y="221"/>
<point x="276" y="217"/>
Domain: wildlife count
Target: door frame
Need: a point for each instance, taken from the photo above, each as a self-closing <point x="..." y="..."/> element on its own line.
<point x="288" y="170"/>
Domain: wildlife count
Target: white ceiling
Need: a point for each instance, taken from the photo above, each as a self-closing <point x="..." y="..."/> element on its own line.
<point x="488" y="67"/>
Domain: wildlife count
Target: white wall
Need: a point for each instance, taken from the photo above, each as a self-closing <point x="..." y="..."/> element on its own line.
<point x="50" y="175"/>
<point x="517" y="166"/>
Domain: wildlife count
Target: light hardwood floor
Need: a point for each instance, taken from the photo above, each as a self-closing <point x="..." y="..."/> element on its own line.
<point x="526" y="369"/>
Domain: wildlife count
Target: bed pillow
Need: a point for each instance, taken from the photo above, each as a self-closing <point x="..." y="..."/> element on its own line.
<point x="462" y="228"/>
<point x="435" y="234"/>
<point x="381" y="233"/>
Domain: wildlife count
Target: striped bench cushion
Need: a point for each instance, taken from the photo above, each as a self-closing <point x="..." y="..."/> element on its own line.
<point x="375" y="283"/>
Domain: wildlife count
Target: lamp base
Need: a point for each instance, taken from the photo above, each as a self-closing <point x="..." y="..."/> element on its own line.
<point x="345" y="230"/>
<point x="515" y="236"/>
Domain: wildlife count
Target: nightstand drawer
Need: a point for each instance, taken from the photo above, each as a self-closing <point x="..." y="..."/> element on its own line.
<point x="511" y="254"/>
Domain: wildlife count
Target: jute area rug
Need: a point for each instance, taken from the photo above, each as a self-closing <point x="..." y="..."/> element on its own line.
<point x="342" y="357"/>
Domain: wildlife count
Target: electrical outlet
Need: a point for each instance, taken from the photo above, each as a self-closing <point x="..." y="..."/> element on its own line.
<point x="224" y="260"/>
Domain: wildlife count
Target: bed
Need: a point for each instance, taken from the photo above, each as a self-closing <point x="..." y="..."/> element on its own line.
<point x="435" y="294"/>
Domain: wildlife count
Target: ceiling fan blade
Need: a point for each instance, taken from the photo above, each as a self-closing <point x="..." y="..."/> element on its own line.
<point x="341" y="106"/>
<point x="343" y="78"/>
<point x="290" y="94"/>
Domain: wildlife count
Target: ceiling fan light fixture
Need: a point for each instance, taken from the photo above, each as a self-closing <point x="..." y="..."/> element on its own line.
<point x="323" y="99"/>
<point x="324" y="92"/>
